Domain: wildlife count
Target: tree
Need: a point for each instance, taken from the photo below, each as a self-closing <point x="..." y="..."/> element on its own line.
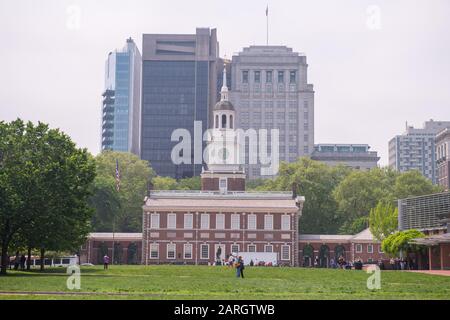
<point x="413" y="183"/>
<point x="47" y="181"/>
<point x="193" y="183"/>
<point x="316" y="182"/>
<point x="164" y="183"/>
<point x="106" y="203"/>
<point x="383" y="220"/>
<point x="135" y="175"/>
<point x="400" y="242"/>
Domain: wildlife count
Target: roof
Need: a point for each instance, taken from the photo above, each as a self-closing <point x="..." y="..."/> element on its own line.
<point x="117" y="235"/>
<point x="364" y="235"/>
<point x="224" y="105"/>
<point x="324" y="237"/>
<point x="433" y="240"/>
<point x="231" y="201"/>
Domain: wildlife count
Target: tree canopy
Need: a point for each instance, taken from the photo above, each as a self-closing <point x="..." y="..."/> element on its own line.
<point x="400" y="242"/>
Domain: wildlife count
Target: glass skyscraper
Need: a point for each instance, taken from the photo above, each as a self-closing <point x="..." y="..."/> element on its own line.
<point x="178" y="87"/>
<point x="121" y="100"/>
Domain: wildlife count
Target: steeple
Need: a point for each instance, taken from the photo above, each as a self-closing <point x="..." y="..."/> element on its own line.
<point x="224" y="90"/>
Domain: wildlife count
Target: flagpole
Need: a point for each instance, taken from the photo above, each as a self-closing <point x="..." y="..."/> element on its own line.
<point x="267" y="25"/>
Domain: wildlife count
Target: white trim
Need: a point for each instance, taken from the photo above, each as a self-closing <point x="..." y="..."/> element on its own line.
<point x="251" y="245"/>
<point x="255" y="225"/>
<point x="205" y="224"/>
<point x="222" y="225"/>
<point x="154" y="245"/>
<point x="174" y="251"/>
<point x="285" y="218"/>
<point x="360" y="246"/>
<point x="153" y="224"/>
<point x="173" y="216"/>
<point x="289" y="252"/>
<point x="238" y="221"/>
<point x="184" y="250"/>
<point x="266" y="224"/>
<point x="201" y="251"/>
<point x="267" y="246"/>
<point x="369" y="246"/>
<point x="235" y="245"/>
<point x="191" y="226"/>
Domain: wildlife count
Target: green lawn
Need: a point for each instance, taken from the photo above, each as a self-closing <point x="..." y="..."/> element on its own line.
<point x="202" y="282"/>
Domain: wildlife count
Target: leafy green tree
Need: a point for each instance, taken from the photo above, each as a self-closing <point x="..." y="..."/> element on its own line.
<point x="316" y="181"/>
<point x="45" y="182"/>
<point x="413" y="183"/>
<point x="135" y="175"/>
<point x="400" y="242"/>
<point x="383" y="220"/>
<point x="106" y="203"/>
<point x="164" y="183"/>
<point x="193" y="183"/>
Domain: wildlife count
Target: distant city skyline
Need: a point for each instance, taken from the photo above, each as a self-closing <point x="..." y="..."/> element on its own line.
<point x="374" y="64"/>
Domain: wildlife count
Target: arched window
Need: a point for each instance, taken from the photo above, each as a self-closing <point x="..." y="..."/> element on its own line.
<point x="224" y="121"/>
<point x="217" y="121"/>
<point x="231" y="121"/>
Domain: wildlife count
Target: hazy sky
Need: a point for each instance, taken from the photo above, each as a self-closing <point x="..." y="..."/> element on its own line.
<point x="370" y="75"/>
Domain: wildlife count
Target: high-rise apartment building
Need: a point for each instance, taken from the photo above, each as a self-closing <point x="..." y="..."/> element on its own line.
<point x="415" y="149"/>
<point x="442" y="141"/>
<point x="179" y="86"/>
<point x="121" y="100"/>
<point x="270" y="90"/>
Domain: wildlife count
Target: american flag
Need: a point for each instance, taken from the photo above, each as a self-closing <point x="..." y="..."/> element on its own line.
<point x="117" y="176"/>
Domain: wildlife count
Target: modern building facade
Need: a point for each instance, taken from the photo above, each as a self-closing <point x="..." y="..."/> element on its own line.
<point x="442" y="142"/>
<point x="270" y="90"/>
<point x="179" y="87"/>
<point x="121" y="100"/>
<point x="424" y="212"/>
<point x="356" y="156"/>
<point x="415" y="149"/>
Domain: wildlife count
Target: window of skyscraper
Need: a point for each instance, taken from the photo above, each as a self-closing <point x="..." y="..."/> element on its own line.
<point x="292" y="77"/>
<point x="280" y="76"/>
<point x="245" y="76"/>
<point x="269" y="76"/>
<point x="257" y="76"/>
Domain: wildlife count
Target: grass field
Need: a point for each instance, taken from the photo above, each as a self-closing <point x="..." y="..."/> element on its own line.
<point x="202" y="282"/>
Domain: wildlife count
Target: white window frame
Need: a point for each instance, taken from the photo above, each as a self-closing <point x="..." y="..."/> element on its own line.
<point x="283" y="247"/>
<point x="266" y="224"/>
<point x="154" y="245"/>
<point x="172" y="225"/>
<point x="187" y="245"/>
<point x="235" y="245"/>
<point x="174" y="246"/>
<point x="380" y="250"/>
<point x="285" y="222"/>
<point x="358" y="245"/>
<point x="201" y="251"/>
<point x="251" y="245"/>
<point x="235" y="221"/>
<point x="267" y="246"/>
<point x="222" y="224"/>
<point x="153" y="224"/>
<point x="205" y="221"/>
<point x="254" y="224"/>
<point x="370" y="246"/>
<point x="185" y="225"/>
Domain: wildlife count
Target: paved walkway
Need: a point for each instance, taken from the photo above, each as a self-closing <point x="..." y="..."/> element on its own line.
<point x="434" y="272"/>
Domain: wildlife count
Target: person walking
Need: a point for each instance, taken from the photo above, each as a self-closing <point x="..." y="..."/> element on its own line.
<point x="22" y="262"/>
<point x="237" y="265"/>
<point x="242" y="267"/>
<point x="105" y="262"/>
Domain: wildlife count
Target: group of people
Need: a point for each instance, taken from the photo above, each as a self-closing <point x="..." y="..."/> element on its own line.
<point x="19" y="261"/>
<point x="402" y="264"/>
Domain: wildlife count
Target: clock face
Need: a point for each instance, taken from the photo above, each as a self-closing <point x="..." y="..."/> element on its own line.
<point x="223" y="154"/>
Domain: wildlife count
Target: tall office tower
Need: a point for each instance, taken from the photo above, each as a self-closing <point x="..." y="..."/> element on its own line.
<point x="442" y="141"/>
<point x="415" y="149"/>
<point x="178" y="87"/>
<point x="121" y="100"/>
<point x="270" y="90"/>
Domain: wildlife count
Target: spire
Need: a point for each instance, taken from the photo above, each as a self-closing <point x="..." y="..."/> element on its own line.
<point x="224" y="90"/>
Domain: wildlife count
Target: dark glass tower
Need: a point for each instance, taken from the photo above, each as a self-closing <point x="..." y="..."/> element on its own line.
<point x="178" y="87"/>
